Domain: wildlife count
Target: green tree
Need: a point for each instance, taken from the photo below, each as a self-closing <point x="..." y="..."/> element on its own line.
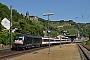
<point x="4" y="11"/>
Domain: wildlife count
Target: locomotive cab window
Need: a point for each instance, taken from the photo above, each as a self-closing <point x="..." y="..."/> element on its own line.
<point x="19" y="38"/>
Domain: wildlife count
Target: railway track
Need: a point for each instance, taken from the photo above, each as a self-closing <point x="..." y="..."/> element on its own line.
<point x="4" y="50"/>
<point x="84" y="51"/>
<point x="5" y="54"/>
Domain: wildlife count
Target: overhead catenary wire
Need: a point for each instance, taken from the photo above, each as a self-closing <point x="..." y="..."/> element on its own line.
<point x="87" y="7"/>
<point x="88" y="17"/>
<point x="86" y="10"/>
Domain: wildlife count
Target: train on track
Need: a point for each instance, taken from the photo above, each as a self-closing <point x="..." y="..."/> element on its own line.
<point x="25" y="41"/>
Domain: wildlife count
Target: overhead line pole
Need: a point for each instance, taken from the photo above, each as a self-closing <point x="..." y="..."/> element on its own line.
<point x="11" y="24"/>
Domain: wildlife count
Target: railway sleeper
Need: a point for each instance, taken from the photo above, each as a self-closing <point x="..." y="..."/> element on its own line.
<point x="85" y="52"/>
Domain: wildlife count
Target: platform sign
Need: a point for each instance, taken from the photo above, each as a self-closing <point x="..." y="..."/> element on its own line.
<point x="49" y="32"/>
<point x="6" y="23"/>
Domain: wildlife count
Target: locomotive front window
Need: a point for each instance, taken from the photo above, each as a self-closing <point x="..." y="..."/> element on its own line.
<point x="19" y="38"/>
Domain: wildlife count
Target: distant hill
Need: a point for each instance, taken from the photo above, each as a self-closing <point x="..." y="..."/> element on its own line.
<point x="71" y="27"/>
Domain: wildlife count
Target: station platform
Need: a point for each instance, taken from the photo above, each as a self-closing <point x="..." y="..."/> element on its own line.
<point x="66" y="52"/>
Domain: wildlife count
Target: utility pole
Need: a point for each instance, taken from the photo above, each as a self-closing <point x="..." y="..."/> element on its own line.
<point x="11" y="24"/>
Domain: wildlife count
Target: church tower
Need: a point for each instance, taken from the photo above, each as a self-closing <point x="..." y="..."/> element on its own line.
<point x="27" y="15"/>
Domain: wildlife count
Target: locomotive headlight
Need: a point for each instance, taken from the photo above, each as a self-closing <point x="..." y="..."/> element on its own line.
<point x="20" y="41"/>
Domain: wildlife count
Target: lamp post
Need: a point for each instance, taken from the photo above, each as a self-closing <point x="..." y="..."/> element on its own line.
<point x="48" y="14"/>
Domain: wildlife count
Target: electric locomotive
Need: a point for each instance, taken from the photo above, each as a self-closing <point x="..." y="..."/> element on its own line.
<point x="25" y="41"/>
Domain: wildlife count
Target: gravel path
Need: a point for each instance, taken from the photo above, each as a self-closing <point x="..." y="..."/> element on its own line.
<point x="66" y="52"/>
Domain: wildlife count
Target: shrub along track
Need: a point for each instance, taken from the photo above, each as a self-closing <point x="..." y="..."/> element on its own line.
<point x="84" y="51"/>
<point x="5" y="54"/>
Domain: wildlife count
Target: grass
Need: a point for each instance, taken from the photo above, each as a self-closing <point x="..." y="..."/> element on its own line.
<point x="86" y="42"/>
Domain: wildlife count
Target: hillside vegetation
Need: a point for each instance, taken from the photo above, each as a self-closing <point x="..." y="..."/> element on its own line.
<point x="24" y="25"/>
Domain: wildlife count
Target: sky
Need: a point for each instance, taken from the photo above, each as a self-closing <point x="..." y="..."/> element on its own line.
<point x="76" y="10"/>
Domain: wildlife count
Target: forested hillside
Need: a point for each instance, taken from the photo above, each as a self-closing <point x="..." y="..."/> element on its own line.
<point x="24" y="25"/>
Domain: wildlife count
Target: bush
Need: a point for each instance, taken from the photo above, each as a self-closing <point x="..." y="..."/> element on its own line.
<point x="88" y="42"/>
<point x="83" y="42"/>
<point x="5" y="38"/>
